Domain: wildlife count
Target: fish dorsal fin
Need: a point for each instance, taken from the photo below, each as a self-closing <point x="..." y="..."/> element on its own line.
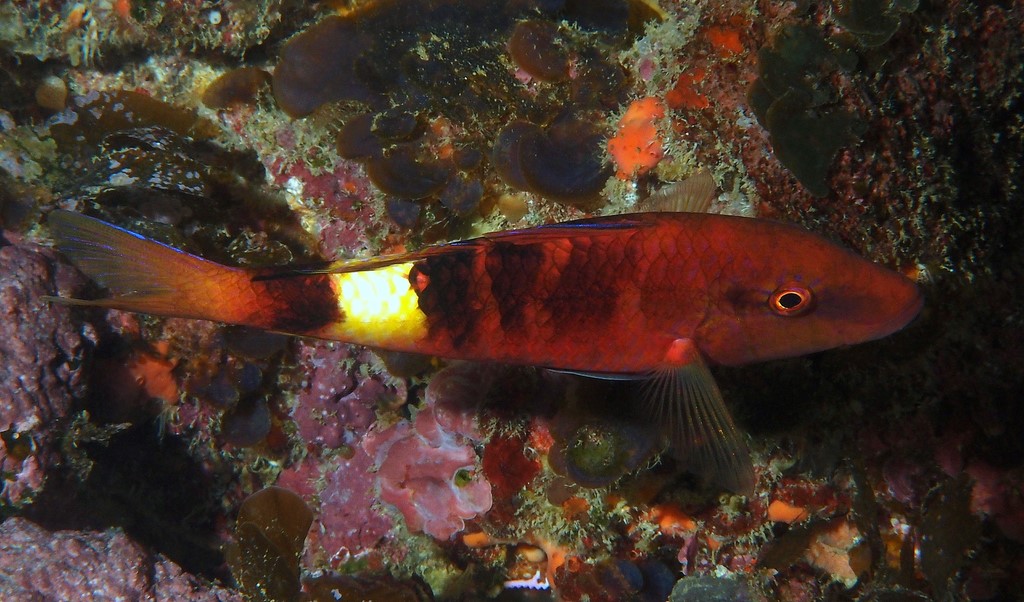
<point x="593" y="226"/>
<point x="692" y="195"/>
<point x="686" y="400"/>
<point x="344" y="266"/>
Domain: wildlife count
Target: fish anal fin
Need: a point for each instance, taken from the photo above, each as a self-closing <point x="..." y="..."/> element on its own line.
<point x="684" y="398"/>
<point x="609" y="376"/>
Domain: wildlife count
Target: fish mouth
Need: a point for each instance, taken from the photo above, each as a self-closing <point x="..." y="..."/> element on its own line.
<point x="904" y="315"/>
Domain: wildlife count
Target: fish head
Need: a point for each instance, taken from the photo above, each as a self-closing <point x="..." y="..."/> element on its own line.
<point x="787" y="292"/>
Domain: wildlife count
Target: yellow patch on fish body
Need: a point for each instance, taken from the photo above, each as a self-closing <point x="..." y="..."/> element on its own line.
<point x="379" y="306"/>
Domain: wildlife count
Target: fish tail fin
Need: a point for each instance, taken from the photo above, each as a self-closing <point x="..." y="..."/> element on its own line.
<point x="147" y="276"/>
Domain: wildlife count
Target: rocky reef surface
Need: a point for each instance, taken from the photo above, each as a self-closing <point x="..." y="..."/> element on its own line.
<point x="150" y="458"/>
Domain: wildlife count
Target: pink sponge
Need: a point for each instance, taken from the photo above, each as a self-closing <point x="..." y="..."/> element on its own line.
<point x="429" y="474"/>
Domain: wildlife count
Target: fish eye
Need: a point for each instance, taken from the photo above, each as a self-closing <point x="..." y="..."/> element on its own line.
<point x="790" y="300"/>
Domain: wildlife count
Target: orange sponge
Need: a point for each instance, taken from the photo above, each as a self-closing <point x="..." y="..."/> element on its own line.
<point x="636" y="147"/>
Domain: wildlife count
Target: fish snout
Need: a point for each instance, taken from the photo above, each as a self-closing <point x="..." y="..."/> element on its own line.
<point x="894" y="309"/>
<point x="909" y="305"/>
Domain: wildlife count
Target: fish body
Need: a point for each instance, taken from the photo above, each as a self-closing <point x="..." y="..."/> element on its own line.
<point x="603" y="295"/>
<point x="612" y="295"/>
<point x="631" y="295"/>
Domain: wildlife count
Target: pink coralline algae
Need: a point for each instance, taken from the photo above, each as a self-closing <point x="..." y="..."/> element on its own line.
<point x="346" y="222"/>
<point x="41" y="350"/>
<point x="334" y="409"/>
<point x="351" y="524"/>
<point x="348" y="525"/>
<point x="74" y="565"/>
<point x="333" y="413"/>
<point x="430" y="473"/>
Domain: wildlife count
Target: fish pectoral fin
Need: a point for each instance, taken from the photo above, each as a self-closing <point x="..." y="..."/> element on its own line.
<point x="686" y="400"/>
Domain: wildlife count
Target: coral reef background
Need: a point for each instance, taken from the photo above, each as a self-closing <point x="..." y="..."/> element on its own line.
<point x="173" y="459"/>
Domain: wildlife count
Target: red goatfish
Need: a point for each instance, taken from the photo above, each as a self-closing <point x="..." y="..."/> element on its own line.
<point x="654" y="295"/>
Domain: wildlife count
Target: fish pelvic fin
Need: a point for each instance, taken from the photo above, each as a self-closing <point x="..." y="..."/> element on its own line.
<point x="685" y="399"/>
<point x="146" y="276"/>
